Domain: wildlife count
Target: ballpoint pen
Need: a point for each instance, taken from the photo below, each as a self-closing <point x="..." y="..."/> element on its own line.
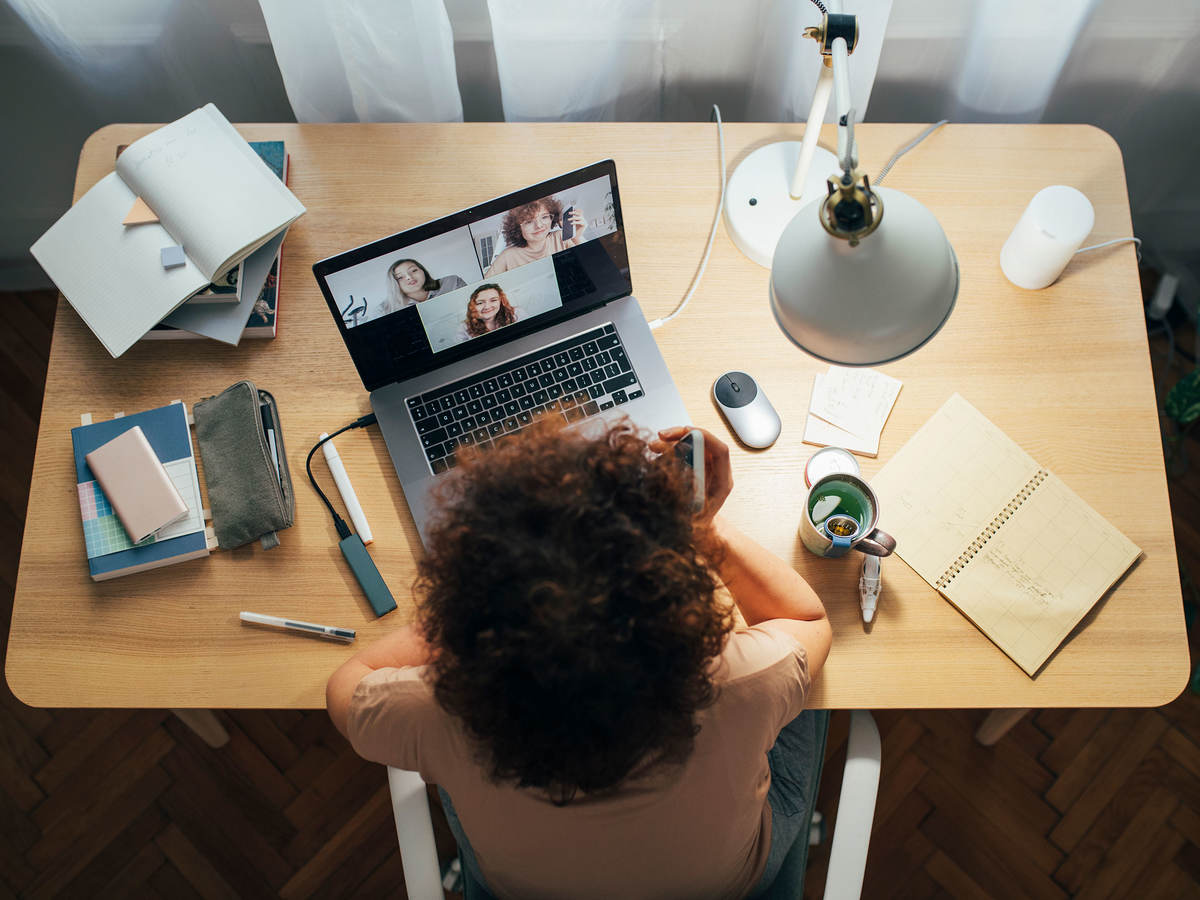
<point x="345" y="635"/>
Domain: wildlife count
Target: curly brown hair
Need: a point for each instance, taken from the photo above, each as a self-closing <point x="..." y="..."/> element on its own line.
<point x="506" y="315"/>
<point x="511" y="226"/>
<point x="570" y="599"/>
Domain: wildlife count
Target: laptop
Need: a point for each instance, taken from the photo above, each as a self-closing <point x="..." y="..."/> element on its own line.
<point x="466" y="329"/>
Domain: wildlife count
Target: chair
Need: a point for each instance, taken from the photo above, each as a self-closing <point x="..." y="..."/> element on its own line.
<point x="847" y="857"/>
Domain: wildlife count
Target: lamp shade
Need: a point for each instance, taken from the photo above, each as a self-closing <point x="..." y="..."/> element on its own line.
<point x="871" y="303"/>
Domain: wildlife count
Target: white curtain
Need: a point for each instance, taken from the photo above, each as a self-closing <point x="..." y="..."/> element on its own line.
<point x="366" y="60"/>
<point x="669" y="59"/>
<point x="69" y="66"/>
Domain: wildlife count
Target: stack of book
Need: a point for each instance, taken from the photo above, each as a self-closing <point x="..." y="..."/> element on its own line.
<point x="110" y="551"/>
<point x="197" y="319"/>
<point x="192" y="209"/>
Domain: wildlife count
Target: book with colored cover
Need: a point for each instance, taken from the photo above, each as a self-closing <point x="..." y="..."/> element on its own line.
<point x="212" y="195"/>
<point x="264" y="318"/>
<point x="263" y="322"/>
<point x="230" y="324"/>
<point x="1006" y="541"/>
<point x="110" y="552"/>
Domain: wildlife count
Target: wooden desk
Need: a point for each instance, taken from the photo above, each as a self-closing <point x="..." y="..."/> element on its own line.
<point x="1064" y="371"/>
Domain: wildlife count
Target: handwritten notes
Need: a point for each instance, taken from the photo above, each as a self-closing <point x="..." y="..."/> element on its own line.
<point x="849" y="408"/>
<point x="1006" y="541"/>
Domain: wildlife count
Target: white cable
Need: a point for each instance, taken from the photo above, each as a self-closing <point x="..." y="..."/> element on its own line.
<point x="1136" y="240"/>
<point x="657" y="323"/>
<point x="899" y="153"/>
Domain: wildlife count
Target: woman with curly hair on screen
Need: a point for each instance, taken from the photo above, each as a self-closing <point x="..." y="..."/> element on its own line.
<point x="532" y="232"/>
<point x="574" y="682"/>
<point x="487" y="310"/>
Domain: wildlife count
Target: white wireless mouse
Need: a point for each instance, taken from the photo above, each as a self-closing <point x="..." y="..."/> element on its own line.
<point x="746" y="409"/>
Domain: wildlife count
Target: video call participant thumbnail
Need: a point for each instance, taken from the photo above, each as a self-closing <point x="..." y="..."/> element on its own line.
<point x="487" y="310"/>
<point x="410" y="283"/>
<point x="534" y="231"/>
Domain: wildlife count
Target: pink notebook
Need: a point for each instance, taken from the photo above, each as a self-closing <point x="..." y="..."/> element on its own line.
<point x="136" y="484"/>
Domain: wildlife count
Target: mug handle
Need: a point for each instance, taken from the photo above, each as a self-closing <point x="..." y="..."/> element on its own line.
<point x="877" y="543"/>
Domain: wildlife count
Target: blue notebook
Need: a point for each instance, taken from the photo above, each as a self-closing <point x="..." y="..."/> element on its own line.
<point x="109" y="549"/>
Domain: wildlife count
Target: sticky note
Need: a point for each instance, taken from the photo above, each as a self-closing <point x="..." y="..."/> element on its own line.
<point x="140" y="214"/>
<point x="172" y="257"/>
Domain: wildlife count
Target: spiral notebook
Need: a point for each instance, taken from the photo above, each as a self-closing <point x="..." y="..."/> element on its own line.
<point x="1006" y="541"/>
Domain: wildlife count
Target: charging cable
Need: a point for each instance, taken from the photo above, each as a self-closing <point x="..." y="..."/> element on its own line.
<point x="339" y="523"/>
<point x="351" y="545"/>
<point x="658" y="323"/>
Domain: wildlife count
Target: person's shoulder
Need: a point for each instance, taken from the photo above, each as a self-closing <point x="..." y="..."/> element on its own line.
<point x="501" y="262"/>
<point x="405" y="685"/>
<point x="452" y="283"/>
<point x="394" y="718"/>
<point x="751" y="652"/>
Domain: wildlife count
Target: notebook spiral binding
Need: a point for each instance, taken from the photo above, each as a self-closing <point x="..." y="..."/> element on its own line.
<point x="992" y="527"/>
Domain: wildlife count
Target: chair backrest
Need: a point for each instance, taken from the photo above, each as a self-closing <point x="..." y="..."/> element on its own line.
<point x="847" y="859"/>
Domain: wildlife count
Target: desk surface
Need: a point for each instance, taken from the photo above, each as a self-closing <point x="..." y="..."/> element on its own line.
<point x="1064" y="371"/>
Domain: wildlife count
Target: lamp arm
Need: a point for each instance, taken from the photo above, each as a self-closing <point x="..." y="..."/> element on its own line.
<point x="847" y="146"/>
<point x="812" y="130"/>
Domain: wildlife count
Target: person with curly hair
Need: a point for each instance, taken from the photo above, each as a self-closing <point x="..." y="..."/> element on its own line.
<point x="487" y="310"/>
<point x="575" y="683"/>
<point x="410" y="283"/>
<point x="533" y="232"/>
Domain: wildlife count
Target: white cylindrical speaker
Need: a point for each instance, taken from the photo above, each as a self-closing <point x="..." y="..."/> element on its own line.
<point x="1046" y="236"/>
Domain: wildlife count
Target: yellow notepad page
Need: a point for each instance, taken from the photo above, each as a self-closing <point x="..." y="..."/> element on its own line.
<point x="1008" y="543"/>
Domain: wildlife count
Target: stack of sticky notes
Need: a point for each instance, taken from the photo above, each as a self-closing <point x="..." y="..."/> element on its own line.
<point x="849" y="408"/>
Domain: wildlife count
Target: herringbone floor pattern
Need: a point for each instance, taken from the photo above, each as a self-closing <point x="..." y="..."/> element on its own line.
<point x="127" y="803"/>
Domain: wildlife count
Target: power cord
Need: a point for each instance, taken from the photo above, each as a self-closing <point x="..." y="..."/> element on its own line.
<point x="339" y="523"/>
<point x="1124" y="240"/>
<point x="658" y="323"/>
<point x="899" y="153"/>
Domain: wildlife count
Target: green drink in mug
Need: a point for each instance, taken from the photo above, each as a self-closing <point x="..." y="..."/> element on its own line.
<point x="840" y="513"/>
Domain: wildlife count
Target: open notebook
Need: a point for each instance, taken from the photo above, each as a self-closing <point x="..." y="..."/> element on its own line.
<point x="1000" y="537"/>
<point x="214" y="197"/>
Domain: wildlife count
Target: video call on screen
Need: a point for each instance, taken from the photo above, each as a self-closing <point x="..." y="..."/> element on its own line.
<point x="405" y="308"/>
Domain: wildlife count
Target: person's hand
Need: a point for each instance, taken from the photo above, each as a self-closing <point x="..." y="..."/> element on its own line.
<point x="718" y="481"/>
<point x="579" y="223"/>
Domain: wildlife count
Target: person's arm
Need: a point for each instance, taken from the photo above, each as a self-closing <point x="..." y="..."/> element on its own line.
<point x="403" y="647"/>
<point x="765" y="588"/>
<point x="499" y="264"/>
<point x="768" y="590"/>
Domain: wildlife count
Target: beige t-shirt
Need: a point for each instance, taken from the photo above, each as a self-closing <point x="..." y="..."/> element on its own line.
<point x="701" y="829"/>
<point x="515" y="257"/>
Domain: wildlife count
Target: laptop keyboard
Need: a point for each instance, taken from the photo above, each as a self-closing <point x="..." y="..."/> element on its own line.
<point x="575" y="378"/>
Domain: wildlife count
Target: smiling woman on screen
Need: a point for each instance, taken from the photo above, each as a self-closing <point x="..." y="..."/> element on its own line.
<point x="533" y="232"/>
<point x="410" y="283"/>
<point x="487" y="310"/>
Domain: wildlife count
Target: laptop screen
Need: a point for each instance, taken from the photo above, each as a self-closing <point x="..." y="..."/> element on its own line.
<point x="481" y="277"/>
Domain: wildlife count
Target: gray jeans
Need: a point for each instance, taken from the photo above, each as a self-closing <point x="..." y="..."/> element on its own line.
<point x="795" y="762"/>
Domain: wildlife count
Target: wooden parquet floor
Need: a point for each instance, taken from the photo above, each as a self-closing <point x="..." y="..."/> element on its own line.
<point x="130" y="803"/>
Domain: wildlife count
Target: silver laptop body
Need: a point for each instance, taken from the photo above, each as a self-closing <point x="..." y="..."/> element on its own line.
<point x="408" y="353"/>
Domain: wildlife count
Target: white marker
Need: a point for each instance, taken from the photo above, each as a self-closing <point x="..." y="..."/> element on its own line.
<point x="326" y="631"/>
<point x="346" y="490"/>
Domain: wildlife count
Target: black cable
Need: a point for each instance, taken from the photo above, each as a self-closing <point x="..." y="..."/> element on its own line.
<point x="821" y="6"/>
<point x="339" y="523"/>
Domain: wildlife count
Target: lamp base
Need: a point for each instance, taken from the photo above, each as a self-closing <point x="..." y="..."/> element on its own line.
<point x="758" y="202"/>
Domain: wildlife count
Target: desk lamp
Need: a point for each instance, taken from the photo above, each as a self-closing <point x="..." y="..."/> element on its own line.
<point x="849" y="283"/>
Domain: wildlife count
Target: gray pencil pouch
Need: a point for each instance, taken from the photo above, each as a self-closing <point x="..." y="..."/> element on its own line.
<point x="245" y="467"/>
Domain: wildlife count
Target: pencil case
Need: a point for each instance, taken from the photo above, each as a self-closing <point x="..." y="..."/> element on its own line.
<point x="245" y="467"/>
